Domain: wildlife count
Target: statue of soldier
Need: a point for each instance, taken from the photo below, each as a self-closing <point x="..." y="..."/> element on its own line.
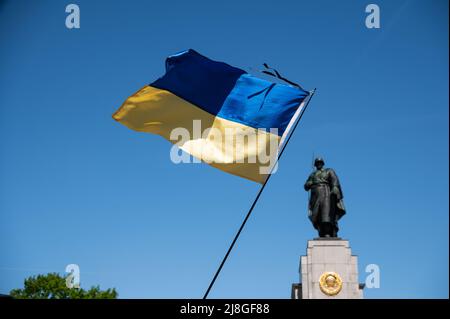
<point x="326" y="204"/>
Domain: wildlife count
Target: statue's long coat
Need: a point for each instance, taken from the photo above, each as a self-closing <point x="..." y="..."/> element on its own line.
<point x="326" y="198"/>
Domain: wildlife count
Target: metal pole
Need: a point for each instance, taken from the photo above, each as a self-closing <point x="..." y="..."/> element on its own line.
<point x="256" y="200"/>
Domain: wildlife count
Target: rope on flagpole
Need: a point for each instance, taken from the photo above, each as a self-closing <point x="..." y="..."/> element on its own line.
<point x="256" y="199"/>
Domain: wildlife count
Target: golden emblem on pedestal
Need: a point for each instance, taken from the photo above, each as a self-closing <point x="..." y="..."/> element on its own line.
<point x="330" y="283"/>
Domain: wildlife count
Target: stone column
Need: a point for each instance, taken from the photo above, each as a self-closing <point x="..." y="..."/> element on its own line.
<point x="328" y="271"/>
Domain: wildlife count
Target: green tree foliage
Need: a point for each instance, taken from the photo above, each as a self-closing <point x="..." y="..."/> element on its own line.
<point x="53" y="286"/>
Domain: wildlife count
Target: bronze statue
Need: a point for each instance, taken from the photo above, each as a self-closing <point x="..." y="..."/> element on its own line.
<point x="326" y="205"/>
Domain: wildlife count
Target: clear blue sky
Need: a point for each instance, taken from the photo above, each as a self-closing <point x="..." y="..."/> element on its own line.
<point x="77" y="187"/>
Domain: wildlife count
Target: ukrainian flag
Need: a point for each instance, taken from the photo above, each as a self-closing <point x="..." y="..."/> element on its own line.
<point x="243" y="115"/>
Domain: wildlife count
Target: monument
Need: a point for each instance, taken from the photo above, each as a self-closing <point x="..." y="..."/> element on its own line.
<point x="329" y="270"/>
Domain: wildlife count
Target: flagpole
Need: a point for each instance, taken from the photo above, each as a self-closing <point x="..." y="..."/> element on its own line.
<point x="256" y="198"/>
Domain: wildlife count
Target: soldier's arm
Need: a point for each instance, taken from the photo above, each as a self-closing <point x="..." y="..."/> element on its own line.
<point x="334" y="183"/>
<point x="308" y="183"/>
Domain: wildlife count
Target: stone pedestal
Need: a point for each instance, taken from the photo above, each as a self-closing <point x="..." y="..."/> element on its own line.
<point x="328" y="271"/>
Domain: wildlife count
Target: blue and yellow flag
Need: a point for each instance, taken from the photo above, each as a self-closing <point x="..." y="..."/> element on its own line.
<point x="217" y="113"/>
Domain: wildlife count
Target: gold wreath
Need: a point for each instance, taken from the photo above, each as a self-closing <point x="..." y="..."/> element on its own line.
<point x="330" y="283"/>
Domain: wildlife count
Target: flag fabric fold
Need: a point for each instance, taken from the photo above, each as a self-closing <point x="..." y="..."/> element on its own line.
<point x="217" y="113"/>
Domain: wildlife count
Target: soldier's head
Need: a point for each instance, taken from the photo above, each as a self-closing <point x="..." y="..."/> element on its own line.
<point x="319" y="163"/>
